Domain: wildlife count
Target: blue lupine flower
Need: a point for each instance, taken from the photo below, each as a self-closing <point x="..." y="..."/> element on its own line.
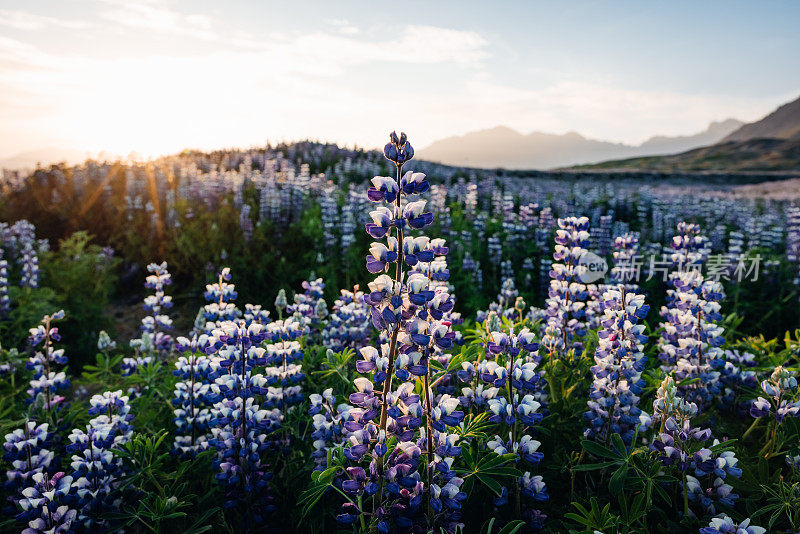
<point x="683" y="446"/>
<point x="96" y="470"/>
<point x="349" y="325"/>
<point x="192" y="392"/>
<point x="400" y="151"/>
<point x="131" y="365"/>
<point x="328" y="421"/>
<point x="737" y="378"/>
<point x="411" y="309"/>
<point x="309" y="307"/>
<point x="44" y="505"/>
<point x="157" y="323"/>
<point x="725" y="525"/>
<point x="5" y="300"/>
<point x="23" y="234"/>
<point x="220" y="296"/>
<point x="619" y="362"/>
<point x="691" y="338"/>
<point x="240" y="428"/>
<point x="253" y="313"/>
<point x="46" y="379"/>
<point x="781" y="390"/>
<point x="565" y="304"/>
<point x="27" y="451"/>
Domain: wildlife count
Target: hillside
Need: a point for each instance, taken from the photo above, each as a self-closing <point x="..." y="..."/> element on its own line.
<point x="783" y="123"/>
<point x="749" y="155"/>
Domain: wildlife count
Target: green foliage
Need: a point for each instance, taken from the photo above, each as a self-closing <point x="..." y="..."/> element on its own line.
<point x="83" y="278"/>
<point x="171" y="498"/>
<point x="29" y="306"/>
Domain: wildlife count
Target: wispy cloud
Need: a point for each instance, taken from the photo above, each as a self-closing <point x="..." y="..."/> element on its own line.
<point x="344" y="26"/>
<point x="288" y="84"/>
<point x="214" y="83"/>
<point x="151" y="15"/>
<point x="23" y="20"/>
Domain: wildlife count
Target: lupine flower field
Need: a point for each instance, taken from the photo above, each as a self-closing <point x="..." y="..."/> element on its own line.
<point x="304" y="338"/>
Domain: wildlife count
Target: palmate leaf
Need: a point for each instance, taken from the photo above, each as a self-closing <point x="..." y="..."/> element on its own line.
<point x="338" y="363"/>
<point x="598" y="450"/>
<point x="617" y="482"/>
<point x="594" y="467"/>
<point x="512" y="527"/>
<point x="723" y="446"/>
<point x="468" y="353"/>
<point x="200" y="526"/>
<point x="487" y="470"/>
<point x="490" y="483"/>
<point x="310" y="497"/>
<point x="619" y="445"/>
<point x="487" y="527"/>
<point x="320" y="482"/>
<point x="473" y="426"/>
<point x="593" y="518"/>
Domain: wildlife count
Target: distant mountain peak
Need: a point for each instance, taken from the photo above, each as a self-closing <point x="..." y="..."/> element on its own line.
<point x="505" y="147"/>
<point x="783" y="123"/>
<point x="769" y="144"/>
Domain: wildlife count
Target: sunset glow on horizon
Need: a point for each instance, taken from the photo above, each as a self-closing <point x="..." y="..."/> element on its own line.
<point x="158" y="77"/>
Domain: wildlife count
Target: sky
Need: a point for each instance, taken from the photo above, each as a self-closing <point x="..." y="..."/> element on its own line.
<point x="155" y="77"/>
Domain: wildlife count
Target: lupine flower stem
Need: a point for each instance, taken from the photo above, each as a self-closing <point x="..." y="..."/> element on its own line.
<point x="428" y="434"/>
<point x="751" y="428"/>
<point x="685" y="497"/>
<point x="517" y="499"/>
<point x="398" y="279"/>
<point x="46" y="360"/>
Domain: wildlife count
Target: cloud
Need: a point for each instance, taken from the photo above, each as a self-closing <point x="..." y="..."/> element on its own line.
<point x="23" y="20"/>
<point x="323" y="83"/>
<point x="150" y="15"/>
<point x="343" y="26"/>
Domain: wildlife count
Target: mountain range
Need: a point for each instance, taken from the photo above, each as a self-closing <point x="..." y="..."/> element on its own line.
<point x="509" y="149"/>
<point x="503" y="147"/>
<point x="769" y="144"/>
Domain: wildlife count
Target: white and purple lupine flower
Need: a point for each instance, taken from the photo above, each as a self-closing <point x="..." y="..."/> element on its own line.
<point x="158" y="322"/>
<point x="220" y="296"/>
<point x="44" y="505"/>
<point x="625" y="270"/>
<point x="309" y="307"/>
<point x="241" y="429"/>
<point x="104" y="342"/>
<point x="682" y="446"/>
<point x="23" y="237"/>
<point x="191" y="400"/>
<point x="781" y="396"/>
<point x="514" y="401"/>
<point x="5" y="300"/>
<point x="410" y="308"/>
<point x="504" y="305"/>
<point x="619" y="362"/>
<point x="47" y="380"/>
<point x="96" y="470"/>
<point x="328" y="420"/>
<point x="349" y="325"/>
<point x="27" y="452"/>
<point x="691" y="338"/>
<point x="725" y="525"/>
<point x="566" y="307"/>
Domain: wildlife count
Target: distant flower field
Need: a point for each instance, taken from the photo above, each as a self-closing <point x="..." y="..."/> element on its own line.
<point x="463" y="350"/>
